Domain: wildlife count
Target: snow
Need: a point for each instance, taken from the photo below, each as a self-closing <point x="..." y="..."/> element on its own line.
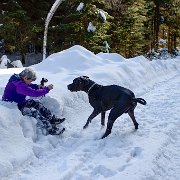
<point x="111" y="57"/>
<point x="80" y="7"/>
<point x="151" y="152"/>
<point x="17" y="63"/>
<point x="102" y="14"/>
<point x="91" y="27"/>
<point x="107" y="47"/>
<point x="4" y="61"/>
<point x="162" y="41"/>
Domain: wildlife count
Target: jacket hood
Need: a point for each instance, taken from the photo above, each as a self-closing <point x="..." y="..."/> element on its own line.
<point x="15" y="77"/>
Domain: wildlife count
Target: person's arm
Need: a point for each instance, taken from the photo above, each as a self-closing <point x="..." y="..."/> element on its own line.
<point x="34" y="86"/>
<point x="26" y="90"/>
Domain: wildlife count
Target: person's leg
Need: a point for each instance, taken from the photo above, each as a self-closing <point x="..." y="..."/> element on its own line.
<point x="46" y="113"/>
<point x="28" y="109"/>
<point x="30" y="103"/>
<point x="38" y="111"/>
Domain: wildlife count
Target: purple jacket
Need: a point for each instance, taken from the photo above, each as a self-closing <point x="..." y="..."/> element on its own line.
<point x="16" y="90"/>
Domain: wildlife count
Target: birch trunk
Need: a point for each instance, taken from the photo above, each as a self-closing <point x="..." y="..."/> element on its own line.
<point x="48" y="19"/>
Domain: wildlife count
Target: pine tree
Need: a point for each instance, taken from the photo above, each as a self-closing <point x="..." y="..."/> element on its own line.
<point x="166" y="23"/>
<point x="70" y="25"/>
<point x="172" y="15"/>
<point x="22" y="24"/>
<point x="128" y="29"/>
<point x="16" y="27"/>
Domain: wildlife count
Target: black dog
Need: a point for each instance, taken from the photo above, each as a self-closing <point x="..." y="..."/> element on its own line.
<point x="103" y="98"/>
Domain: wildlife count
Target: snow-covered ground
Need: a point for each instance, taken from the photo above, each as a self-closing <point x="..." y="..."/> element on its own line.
<point x="151" y="153"/>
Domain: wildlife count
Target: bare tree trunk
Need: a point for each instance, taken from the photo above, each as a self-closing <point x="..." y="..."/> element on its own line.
<point x="23" y="57"/>
<point x="156" y="23"/>
<point x="169" y="40"/>
<point x="163" y="33"/>
<point x="174" y="45"/>
<point x="48" y="19"/>
<point x="125" y="50"/>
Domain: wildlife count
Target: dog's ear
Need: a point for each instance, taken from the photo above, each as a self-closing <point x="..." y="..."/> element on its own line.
<point x="85" y="77"/>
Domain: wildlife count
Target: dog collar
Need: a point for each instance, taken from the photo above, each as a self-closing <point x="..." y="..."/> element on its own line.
<point x="91" y="88"/>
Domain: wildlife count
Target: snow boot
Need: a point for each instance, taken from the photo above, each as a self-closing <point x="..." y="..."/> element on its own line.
<point x="56" y="120"/>
<point x="56" y="131"/>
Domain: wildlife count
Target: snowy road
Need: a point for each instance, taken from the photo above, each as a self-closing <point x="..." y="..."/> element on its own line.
<point x="166" y="164"/>
<point x="151" y="153"/>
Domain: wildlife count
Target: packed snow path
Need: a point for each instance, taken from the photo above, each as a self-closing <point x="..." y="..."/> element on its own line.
<point x="151" y="153"/>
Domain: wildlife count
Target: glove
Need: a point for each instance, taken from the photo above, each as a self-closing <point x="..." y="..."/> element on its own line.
<point x="50" y="86"/>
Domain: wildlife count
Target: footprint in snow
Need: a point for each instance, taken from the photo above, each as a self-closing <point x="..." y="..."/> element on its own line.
<point x="135" y="153"/>
<point x="102" y="171"/>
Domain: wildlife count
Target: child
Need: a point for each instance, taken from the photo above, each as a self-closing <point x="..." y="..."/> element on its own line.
<point x="20" y="86"/>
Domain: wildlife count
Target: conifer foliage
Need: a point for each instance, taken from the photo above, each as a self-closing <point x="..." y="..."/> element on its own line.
<point x="85" y="23"/>
<point x="128" y="27"/>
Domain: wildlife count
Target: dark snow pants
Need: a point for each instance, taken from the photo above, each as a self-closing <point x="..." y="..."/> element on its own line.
<point x="37" y="110"/>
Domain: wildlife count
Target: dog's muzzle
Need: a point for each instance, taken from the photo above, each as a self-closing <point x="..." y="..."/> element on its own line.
<point x="69" y="87"/>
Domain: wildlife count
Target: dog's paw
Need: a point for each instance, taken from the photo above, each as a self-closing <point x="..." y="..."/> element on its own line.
<point x="85" y="126"/>
<point x="136" y="126"/>
<point x="106" y="134"/>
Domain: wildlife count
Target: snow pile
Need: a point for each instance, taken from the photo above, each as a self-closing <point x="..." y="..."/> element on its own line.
<point x="15" y="149"/>
<point x="4" y="61"/>
<point x="73" y="59"/>
<point x="17" y="64"/>
<point x="111" y="57"/>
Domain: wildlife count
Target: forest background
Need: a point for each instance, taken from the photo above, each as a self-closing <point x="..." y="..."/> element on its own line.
<point x="128" y="27"/>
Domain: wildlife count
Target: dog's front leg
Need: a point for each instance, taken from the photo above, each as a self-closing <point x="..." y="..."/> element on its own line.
<point x="103" y="118"/>
<point x="93" y="115"/>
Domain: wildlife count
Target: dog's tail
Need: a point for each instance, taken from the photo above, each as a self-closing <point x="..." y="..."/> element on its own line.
<point x="140" y="100"/>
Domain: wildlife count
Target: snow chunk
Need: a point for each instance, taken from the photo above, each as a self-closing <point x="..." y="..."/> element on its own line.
<point x="162" y="41"/>
<point x="91" y="28"/>
<point x="80" y="7"/>
<point x="4" y="60"/>
<point x="106" y="46"/>
<point x="17" y="64"/>
<point x="102" y="14"/>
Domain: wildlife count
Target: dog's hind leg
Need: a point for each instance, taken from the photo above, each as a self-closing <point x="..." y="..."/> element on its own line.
<point x="114" y="114"/>
<point x="103" y="118"/>
<point x="131" y="114"/>
<point x="93" y="115"/>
